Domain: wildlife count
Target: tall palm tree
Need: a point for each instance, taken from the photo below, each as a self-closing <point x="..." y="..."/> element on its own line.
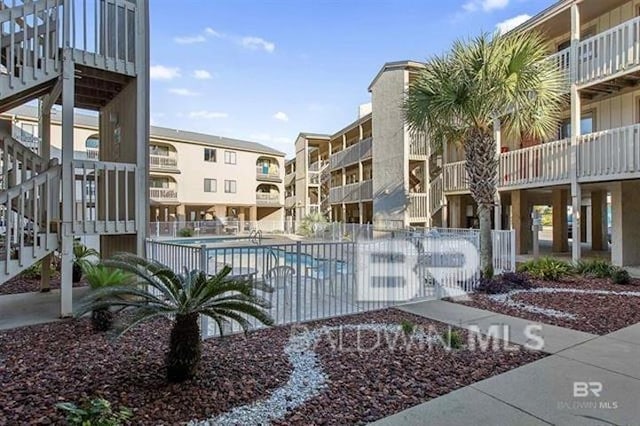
<point x="158" y="291"/>
<point x="458" y="96"/>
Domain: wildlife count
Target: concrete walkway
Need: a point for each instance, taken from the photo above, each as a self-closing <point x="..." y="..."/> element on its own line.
<point x="541" y="392"/>
<point x="18" y="310"/>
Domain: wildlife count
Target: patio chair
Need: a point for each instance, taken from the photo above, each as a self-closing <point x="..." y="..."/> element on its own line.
<point x="281" y="278"/>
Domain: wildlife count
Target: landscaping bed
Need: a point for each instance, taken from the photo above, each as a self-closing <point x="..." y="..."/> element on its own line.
<point x="19" y="284"/>
<point x="67" y="361"/>
<point x="598" y="306"/>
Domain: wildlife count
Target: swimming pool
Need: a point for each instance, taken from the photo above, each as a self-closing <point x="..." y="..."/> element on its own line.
<point x="208" y="241"/>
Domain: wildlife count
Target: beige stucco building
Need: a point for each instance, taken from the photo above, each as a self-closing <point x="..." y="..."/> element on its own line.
<point x="192" y="176"/>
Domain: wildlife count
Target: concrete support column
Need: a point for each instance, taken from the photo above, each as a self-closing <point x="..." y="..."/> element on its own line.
<point x="559" y="202"/>
<point x="625" y="238"/>
<point x="253" y="213"/>
<point x="344" y="213"/>
<point x="181" y="214"/>
<point x="360" y="213"/>
<point x="599" y="223"/>
<point x="521" y="217"/>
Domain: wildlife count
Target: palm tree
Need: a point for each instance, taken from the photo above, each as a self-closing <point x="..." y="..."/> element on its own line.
<point x="81" y="256"/>
<point x="312" y="223"/>
<point x="458" y="97"/>
<point x="159" y="291"/>
<point x="100" y="276"/>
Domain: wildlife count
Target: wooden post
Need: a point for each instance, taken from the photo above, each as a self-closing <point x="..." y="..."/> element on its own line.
<point x="44" y="134"/>
<point x="576" y="193"/>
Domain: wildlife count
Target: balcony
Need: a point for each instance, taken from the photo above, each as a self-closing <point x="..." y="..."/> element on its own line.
<point x="352" y="193"/>
<point x="163" y="194"/>
<point x="93" y="154"/>
<point x="268" y="174"/>
<point x="267" y="199"/>
<point x="289" y="178"/>
<point x="604" y="56"/>
<point x="601" y="156"/>
<point x="419" y="207"/>
<point x="351" y="155"/>
<point x="168" y="163"/>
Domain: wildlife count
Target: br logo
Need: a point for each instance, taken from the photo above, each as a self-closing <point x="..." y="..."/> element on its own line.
<point x="585" y="389"/>
<point x="396" y="270"/>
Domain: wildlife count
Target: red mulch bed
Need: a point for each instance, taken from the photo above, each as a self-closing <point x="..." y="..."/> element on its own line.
<point x="365" y="386"/>
<point x="596" y="314"/>
<point x="66" y="361"/>
<point x="28" y="285"/>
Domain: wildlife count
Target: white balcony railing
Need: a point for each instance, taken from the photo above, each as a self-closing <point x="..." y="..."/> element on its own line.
<point x="357" y="152"/>
<point x="93" y="154"/>
<point x="561" y="59"/>
<point x="163" y="194"/>
<point x="602" y="156"/>
<point x="436" y="199"/>
<point x="267" y="198"/>
<point x="419" y="206"/>
<point x="163" y="162"/>
<point x="539" y="164"/>
<point x="610" y="52"/>
<point x="609" y="154"/>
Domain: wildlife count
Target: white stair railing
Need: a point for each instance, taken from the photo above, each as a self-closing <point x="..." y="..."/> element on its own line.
<point x="19" y="163"/>
<point x="30" y="41"/>
<point x="436" y="192"/>
<point x="30" y="208"/>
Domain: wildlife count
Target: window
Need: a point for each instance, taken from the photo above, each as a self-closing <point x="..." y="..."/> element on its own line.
<point x="210" y="185"/>
<point x="229" y="157"/>
<point x="230" y="186"/>
<point x="159" y="150"/>
<point x="586" y="126"/>
<point x="159" y="182"/>
<point x="210" y="155"/>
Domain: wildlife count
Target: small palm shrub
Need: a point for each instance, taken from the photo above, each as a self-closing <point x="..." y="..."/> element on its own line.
<point x="100" y="276"/>
<point x="546" y="268"/>
<point x="33" y="272"/>
<point x="620" y="276"/>
<point x="593" y="268"/>
<point x="159" y="292"/>
<point x="311" y="223"/>
<point x="452" y="339"/>
<point x="504" y="283"/>
<point x="81" y="256"/>
<point x="185" y="232"/>
<point x="97" y="412"/>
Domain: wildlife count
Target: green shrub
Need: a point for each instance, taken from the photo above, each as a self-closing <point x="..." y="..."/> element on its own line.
<point x="312" y="224"/>
<point x="452" y="339"/>
<point x="33" y="272"/>
<point x="593" y="268"/>
<point x="407" y="327"/>
<point x="546" y="268"/>
<point x="97" y="412"/>
<point x="620" y="276"/>
<point x="185" y="232"/>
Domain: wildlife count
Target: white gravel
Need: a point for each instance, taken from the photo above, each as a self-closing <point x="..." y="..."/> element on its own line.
<point x="307" y="379"/>
<point x="507" y="299"/>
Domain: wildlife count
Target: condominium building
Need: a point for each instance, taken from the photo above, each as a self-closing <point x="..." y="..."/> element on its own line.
<point x="596" y="154"/>
<point x="373" y="170"/>
<point x="192" y="176"/>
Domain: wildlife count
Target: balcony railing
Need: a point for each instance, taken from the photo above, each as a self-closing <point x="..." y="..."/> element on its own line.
<point x="163" y="194"/>
<point x="163" y="162"/>
<point x="290" y="201"/>
<point x="93" y="154"/>
<point x="266" y="198"/>
<point x="603" y="56"/>
<point x="419" y="206"/>
<point x="602" y="156"/>
<point x="351" y="155"/>
<point x="352" y="193"/>
<point x="268" y="174"/>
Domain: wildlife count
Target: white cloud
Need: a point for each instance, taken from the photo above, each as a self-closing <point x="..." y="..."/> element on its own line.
<point x="202" y="74"/>
<point x="213" y="33"/>
<point x="257" y="43"/>
<point x="183" y="92"/>
<point x="281" y="116"/>
<point x="190" y="39"/>
<point x="485" y="5"/>
<point x="160" y="72"/>
<point x="208" y="114"/>
<point x="511" y="23"/>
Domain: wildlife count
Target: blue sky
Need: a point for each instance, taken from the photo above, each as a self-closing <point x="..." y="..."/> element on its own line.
<point x="265" y="70"/>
